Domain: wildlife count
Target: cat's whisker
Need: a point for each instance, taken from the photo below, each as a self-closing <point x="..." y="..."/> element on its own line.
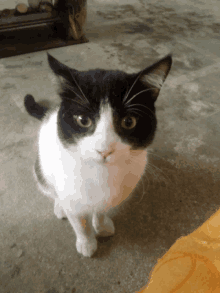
<point x="143" y="190"/>
<point x="150" y="152"/>
<point x="137" y="95"/>
<point x="157" y="168"/>
<point x="165" y="176"/>
<point x="134" y="111"/>
<point x="133" y="85"/>
<point x="141" y="106"/>
<point x="78" y="102"/>
<point x="84" y="104"/>
<point x="156" y="176"/>
<point x="72" y="89"/>
<point x="125" y="95"/>
<point x="149" y="168"/>
<point x="139" y="161"/>
<point x="137" y="105"/>
<point x="151" y="171"/>
<point x="79" y="87"/>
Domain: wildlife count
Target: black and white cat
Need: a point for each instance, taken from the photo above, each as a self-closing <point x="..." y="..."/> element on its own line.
<point x="93" y="146"/>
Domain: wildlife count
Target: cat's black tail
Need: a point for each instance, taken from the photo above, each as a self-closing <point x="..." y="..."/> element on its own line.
<point x="33" y="108"/>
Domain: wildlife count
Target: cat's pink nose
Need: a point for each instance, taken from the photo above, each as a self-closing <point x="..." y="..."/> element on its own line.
<point x="105" y="154"/>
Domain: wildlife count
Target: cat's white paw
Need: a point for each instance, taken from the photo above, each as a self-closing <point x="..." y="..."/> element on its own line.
<point x="58" y="211"/>
<point x="86" y="247"/>
<point x="106" y="228"/>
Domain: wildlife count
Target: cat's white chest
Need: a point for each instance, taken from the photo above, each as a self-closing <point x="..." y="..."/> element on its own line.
<point x="83" y="181"/>
<point x="83" y="188"/>
<point x="73" y="178"/>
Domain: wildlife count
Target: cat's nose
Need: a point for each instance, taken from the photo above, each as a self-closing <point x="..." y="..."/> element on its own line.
<point x="105" y="154"/>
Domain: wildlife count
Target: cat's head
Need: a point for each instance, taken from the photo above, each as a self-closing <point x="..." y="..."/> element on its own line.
<point x="104" y="112"/>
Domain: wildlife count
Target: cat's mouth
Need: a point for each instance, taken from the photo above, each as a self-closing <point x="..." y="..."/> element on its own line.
<point x="105" y="160"/>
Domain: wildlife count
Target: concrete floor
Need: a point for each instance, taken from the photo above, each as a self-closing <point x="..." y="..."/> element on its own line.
<point x="181" y="188"/>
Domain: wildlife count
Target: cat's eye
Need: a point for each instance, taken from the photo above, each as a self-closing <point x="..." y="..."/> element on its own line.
<point x="128" y="122"/>
<point x="84" y="121"/>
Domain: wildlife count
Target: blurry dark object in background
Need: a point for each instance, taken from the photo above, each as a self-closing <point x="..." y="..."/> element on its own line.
<point x="45" y="7"/>
<point x="73" y="15"/>
<point x="21" y="8"/>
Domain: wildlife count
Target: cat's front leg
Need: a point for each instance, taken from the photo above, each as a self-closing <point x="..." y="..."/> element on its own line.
<point x="103" y="225"/>
<point x="86" y="243"/>
<point x="58" y="209"/>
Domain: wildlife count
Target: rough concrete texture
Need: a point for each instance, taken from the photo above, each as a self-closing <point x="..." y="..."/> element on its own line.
<point x="181" y="187"/>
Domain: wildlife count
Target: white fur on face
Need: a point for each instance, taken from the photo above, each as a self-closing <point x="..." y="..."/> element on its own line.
<point x="104" y="138"/>
<point x="78" y="174"/>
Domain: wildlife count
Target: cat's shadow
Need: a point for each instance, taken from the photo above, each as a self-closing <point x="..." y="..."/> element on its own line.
<point x="175" y="203"/>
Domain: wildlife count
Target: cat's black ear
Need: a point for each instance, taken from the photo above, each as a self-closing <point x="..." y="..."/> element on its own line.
<point x="155" y="75"/>
<point x="61" y="70"/>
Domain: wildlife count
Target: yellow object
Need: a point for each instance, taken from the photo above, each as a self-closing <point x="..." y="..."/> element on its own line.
<point x="192" y="264"/>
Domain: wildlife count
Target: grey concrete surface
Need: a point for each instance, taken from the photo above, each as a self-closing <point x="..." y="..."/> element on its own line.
<point x="181" y="187"/>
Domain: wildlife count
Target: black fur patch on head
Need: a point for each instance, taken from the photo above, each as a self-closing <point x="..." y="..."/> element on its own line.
<point x="134" y="95"/>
